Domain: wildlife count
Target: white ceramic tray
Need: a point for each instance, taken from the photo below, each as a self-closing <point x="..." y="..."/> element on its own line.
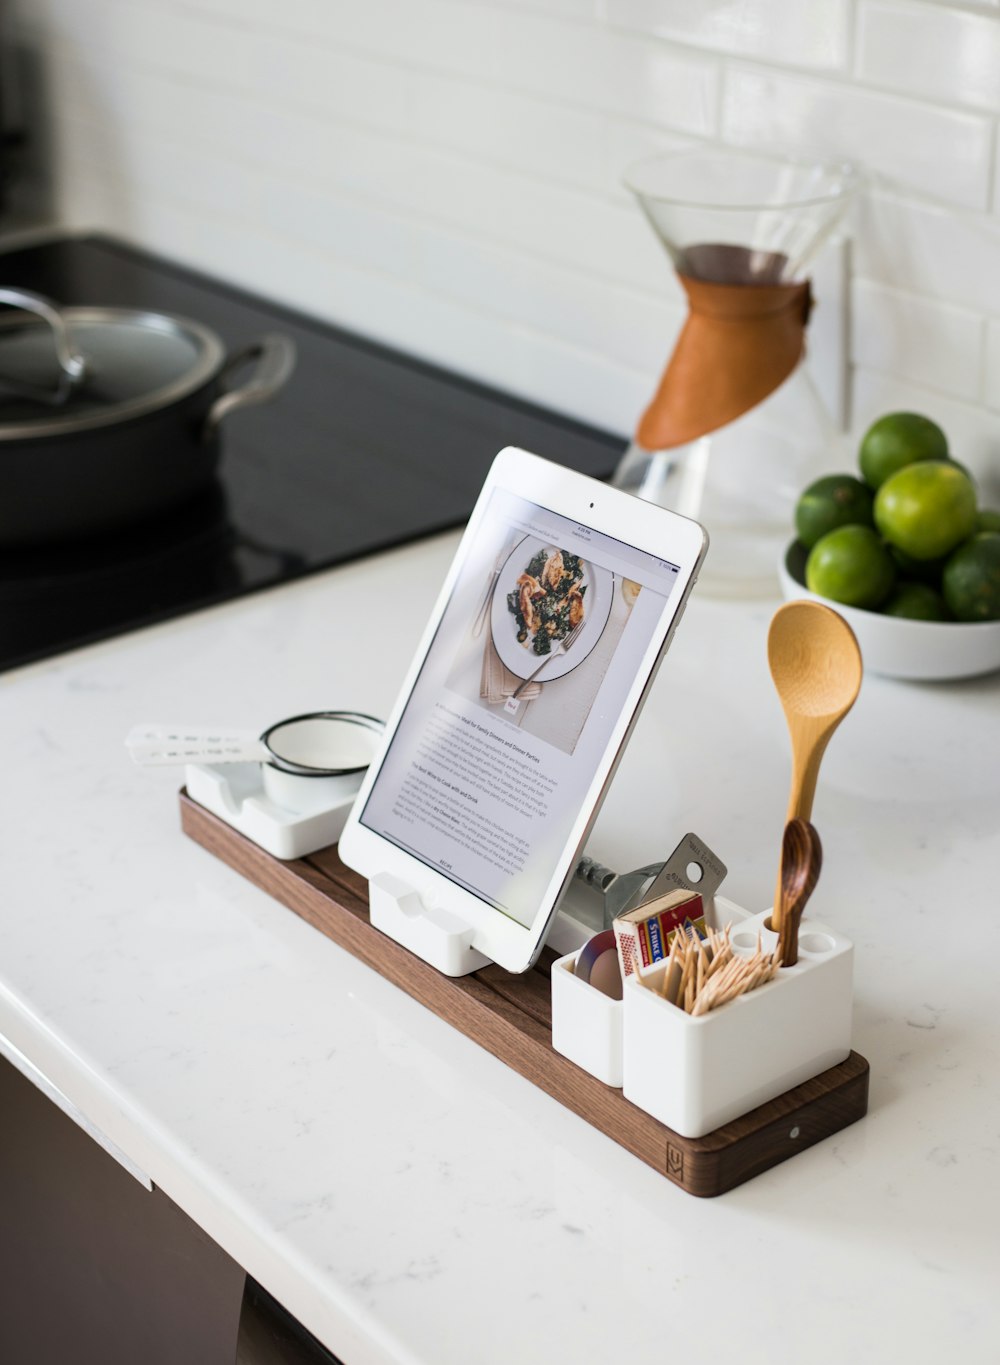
<point x="235" y="793"/>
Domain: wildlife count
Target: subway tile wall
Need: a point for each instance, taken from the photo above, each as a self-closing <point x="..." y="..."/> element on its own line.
<point x="444" y="175"/>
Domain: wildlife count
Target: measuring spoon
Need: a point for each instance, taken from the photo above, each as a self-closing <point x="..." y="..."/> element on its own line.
<point x="816" y="666"/>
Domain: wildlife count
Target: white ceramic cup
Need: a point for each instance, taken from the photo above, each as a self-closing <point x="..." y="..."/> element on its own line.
<point x="319" y="759"/>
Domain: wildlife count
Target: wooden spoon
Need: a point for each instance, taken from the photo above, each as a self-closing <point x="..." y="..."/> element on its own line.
<point x="801" y="860"/>
<point x="816" y="666"/>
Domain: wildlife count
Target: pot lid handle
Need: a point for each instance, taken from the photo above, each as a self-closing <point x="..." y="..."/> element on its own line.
<point x="71" y="362"/>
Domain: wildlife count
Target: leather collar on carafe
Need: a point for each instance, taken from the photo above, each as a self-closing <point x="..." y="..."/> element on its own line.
<point x="739" y="343"/>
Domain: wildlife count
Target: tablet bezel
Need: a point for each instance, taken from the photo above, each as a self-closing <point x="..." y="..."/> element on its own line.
<point x="641" y="525"/>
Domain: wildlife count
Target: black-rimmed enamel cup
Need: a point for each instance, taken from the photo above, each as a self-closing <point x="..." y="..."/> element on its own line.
<point x="318" y="759"/>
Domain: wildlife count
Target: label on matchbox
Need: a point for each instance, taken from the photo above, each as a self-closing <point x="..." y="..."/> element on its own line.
<point x="643" y="936"/>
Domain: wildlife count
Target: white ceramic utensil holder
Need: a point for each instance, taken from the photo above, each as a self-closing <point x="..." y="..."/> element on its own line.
<point x="586" y="1025"/>
<point x="695" y="1074"/>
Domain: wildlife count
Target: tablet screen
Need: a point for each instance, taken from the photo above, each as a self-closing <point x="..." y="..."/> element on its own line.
<point x="535" y="657"/>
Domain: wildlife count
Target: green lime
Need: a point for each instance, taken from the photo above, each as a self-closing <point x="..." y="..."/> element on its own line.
<point x="852" y="566"/>
<point x="926" y="509"/>
<point x="988" y="520"/>
<point x="924" y="570"/>
<point x="896" y="440"/>
<point x="972" y="579"/>
<point x="917" y="602"/>
<point x="836" y="500"/>
<point x="950" y="459"/>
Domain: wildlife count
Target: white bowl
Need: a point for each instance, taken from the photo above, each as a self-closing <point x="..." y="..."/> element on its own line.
<point x="898" y="648"/>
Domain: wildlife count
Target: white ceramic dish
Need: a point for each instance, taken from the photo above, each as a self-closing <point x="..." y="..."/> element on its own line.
<point x="924" y="651"/>
<point x="235" y="792"/>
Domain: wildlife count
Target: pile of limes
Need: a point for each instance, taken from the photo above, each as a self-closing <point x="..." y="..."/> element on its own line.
<point x="908" y="538"/>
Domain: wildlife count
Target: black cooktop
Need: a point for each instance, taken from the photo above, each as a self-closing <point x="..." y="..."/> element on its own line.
<point x="366" y="448"/>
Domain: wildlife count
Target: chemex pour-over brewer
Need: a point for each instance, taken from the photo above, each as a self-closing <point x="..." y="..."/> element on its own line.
<point x="736" y="428"/>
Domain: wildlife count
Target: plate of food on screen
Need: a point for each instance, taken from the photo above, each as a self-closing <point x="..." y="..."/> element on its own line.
<point x="548" y="604"/>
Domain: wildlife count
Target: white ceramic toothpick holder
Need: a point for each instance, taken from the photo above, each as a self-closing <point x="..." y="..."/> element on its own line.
<point x="695" y="1074"/>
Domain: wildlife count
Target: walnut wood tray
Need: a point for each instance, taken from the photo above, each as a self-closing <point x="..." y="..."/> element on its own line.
<point x="510" y="1016"/>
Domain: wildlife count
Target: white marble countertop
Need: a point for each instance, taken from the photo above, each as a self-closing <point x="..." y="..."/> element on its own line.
<point x="406" y="1195"/>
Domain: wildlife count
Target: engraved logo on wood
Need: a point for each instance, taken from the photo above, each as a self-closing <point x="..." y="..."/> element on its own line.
<point x="675" y="1163"/>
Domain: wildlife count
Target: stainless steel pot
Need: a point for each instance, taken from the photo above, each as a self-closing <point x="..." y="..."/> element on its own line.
<point x="110" y="415"/>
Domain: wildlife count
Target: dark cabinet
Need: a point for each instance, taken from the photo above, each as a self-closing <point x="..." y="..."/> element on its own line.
<point x="97" y="1269"/>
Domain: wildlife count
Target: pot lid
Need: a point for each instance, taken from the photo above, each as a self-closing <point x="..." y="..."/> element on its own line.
<point x="132" y="363"/>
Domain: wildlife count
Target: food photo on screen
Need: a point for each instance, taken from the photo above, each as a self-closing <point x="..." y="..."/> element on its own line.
<point x="540" y="643"/>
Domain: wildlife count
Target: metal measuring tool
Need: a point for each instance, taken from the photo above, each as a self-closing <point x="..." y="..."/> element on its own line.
<point x="692" y="866"/>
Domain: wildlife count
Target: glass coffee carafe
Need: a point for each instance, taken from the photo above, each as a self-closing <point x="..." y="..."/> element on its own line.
<point x="736" y="428"/>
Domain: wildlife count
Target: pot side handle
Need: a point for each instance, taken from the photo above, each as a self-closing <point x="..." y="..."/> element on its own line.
<point x="275" y="359"/>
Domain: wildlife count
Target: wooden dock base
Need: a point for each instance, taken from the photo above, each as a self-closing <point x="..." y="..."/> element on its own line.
<point x="510" y="1016"/>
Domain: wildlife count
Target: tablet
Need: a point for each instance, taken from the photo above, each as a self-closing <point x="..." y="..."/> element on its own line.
<point x="555" y="613"/>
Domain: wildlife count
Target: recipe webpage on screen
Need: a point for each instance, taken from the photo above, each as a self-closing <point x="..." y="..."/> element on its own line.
<point x="510" y="716"/>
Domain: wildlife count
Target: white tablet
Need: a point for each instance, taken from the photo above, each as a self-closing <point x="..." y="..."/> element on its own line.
<point x="539" y="652"/>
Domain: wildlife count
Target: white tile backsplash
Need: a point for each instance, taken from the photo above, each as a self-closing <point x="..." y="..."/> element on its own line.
<point x="633" y="325"/>
<point x="918" y="339"/>
<point x="947" y="55"/>
<point x="445" y="175"/>
<point x="916" y="146"/>
<point x="991" y="386"/>
<point x="814" y="34"/>
<point x="926" y="248"/>
<point x="512" y="130"/>
<point x="992" y="369"/>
